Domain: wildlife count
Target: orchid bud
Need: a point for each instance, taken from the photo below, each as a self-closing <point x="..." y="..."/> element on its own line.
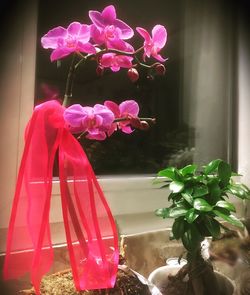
<point x="135" y="122"/>
<point x="160" y="69"/>
<point x="144" y="125"/>
<point x="133" y="74"/>
<point x="99" y="71"/>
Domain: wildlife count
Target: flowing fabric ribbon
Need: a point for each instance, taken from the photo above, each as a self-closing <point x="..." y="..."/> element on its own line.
<point x="89" y="225"/>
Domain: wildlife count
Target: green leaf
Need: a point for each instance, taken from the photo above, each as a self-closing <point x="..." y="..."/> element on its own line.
<point x="238" y="190"/>
<point x="176" y="186"/>
<point x="178" y="228"/>
<point x="224" y="172"/>
<point x="202" y="205"/>
<point x="171" y="173"/>
<point x="188" y="198"/>
<point x="191" y="215"/>
<point x="168" y="172"/>
<point x="229" y="218"/>
<point x="227" y="205"/>
<point x="191" y="239"/>
<point x="214" y="188"/>
<point x="189" y="169"/>
<point x="235" y="174"/>
<point x="200" y="190"/>
<point x="162" y="212"/>
<point x="212" y="166"/>
<point x="214" y="191"/>
<point x="213" y="227"/>
<point x="177" y="212"/>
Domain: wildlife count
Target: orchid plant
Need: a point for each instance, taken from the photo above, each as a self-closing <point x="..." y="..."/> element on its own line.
<point x="105" y="41"/>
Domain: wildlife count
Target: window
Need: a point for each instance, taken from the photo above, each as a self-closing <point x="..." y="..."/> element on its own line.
<point x="192" y="103"/>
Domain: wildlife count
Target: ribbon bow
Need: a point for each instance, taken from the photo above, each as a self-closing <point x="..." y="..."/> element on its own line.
<point x="89" y="225"/>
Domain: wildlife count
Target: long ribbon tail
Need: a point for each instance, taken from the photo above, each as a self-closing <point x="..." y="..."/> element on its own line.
<point x="90" y="228"/>
<point x="29" y="223"/>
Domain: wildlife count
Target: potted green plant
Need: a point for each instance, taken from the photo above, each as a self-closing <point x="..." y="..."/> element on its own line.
<point x="200" y="207"/>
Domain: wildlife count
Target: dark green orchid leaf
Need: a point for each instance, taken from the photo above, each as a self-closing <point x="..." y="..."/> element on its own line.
<point x="202" y="205"/>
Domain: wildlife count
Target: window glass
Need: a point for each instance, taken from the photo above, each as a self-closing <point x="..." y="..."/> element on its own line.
<point x="178" y="135"/>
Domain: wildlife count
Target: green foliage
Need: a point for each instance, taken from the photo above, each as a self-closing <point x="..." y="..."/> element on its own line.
<point x="199" y="201"/>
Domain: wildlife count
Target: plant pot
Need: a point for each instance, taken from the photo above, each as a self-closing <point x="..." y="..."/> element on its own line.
<point x="128" y="282"/>
<point x="160" y="276"/>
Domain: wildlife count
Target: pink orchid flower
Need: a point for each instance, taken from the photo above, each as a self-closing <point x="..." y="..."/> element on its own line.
<point x="152" y="45"/>
<point x="65" y="41"/>
<point x="109" y="30"/>
<point x="96" y="121"/>
<point x="127" y="109"/>
<point x="115" y="62"/>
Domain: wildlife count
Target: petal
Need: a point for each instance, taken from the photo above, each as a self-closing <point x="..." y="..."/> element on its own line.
<point x="60" y="53"/>
<point x="87" y="47"/>
<point x="112" y="129"/>
<point x="98" y="135"/>
<point x="120" y="45"/>
<point x="159" y="36"/>
<point x="148" y="51"/>
<point x="107" y="59"/>
<point x="127" y="129"/>
<point x="74" y="28"/>
<point x="124" y="61"/>
<point x="126" y="31"/>
<point x="113" y="107"/>
<point x="97" y="35"/>
<point x="84" y="33"/>
<point x="159" y="57"/>
<point x="115" y="68"/>
<point x="50" y="39"/>
<point x="106" y="114"/>
<point x="129" y="107"/>
<point x="109" y="14"/>
<point x="97" y="19"/>
<point x="99" y="121"/>
<point x="73" y="115"/>
<point x="144" y="34"/>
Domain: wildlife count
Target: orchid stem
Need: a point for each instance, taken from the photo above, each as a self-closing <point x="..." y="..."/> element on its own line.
<point x="69" y="82"/>
<point x="152" y="120"/>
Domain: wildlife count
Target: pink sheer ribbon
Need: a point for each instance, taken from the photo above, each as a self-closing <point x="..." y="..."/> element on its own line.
<point x="89" y="225"/>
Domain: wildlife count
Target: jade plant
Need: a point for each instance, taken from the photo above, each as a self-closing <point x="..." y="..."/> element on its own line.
<point x="200" y="207"/>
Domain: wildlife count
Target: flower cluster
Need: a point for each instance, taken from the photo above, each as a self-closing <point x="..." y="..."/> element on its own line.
<point x="106" y="41"/>
<point x="106" y="38"/>
<point x="101" y="121"/>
